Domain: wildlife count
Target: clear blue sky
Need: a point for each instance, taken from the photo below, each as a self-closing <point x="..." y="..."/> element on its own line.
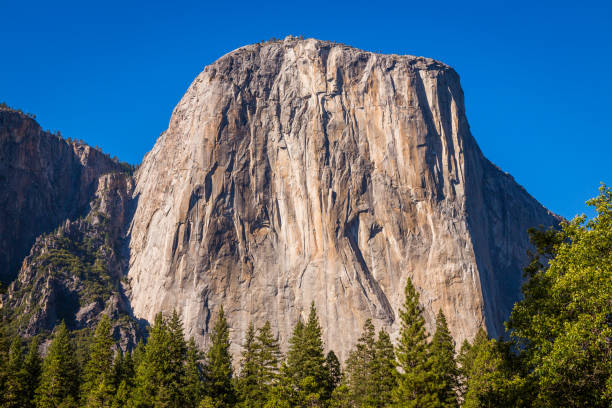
<point x="537" y="76"/>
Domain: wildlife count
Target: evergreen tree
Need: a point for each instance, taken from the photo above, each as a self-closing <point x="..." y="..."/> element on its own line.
<point x="306" y="371"/>
<point x="414" y="388"/>
<point x="98" y="389"/>
<point x="15" y="386"/>
<point x="60" y="373"/>
<point x="443" y="364"/>
<point x="194" y="375"/>
<point x="219" y="369"/>
<point x="138" y="354"/>
<point x="383" y="371"/>
<point x="160" y="372"/>
<point x="291" y="368"/>
<point x="268" y="358"/>
<point x="248" y="380"/>
<point x="122" y="378"/>
<point x="177" y="364"/>
<point x="4" y="358"/>
<point x="32" y="367"/>
<point x="341" y="397"/>
<point x="334" y="370"/>
<point x="360" y="377"/>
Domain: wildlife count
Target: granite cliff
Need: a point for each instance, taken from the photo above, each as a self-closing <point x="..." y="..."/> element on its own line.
<point x="299" y="171"/>
<point x="45" y="180"/>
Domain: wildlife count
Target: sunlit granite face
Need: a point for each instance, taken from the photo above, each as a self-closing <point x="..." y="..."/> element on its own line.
<point x="300" y="171"/>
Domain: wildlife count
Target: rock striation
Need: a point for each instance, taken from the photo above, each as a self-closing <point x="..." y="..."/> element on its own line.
<point x="45" y="180"/>
<point x="302" y="171"/>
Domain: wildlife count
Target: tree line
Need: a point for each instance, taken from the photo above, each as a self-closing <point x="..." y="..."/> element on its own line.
<point x="559" y="352"/>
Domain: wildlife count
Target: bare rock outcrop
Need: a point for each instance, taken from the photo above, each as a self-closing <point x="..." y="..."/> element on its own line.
<point x="301" y="170"/>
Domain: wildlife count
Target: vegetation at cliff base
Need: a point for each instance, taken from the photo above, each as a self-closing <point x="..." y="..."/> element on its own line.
<point x="559" y="353"/>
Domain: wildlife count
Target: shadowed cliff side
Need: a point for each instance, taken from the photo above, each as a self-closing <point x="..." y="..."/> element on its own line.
<point x="45" y="180"/>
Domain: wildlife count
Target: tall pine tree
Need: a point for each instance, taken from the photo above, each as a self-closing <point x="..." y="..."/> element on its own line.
<point x="32" y="367"/>
<point x="194" y="375"/>
<point x="383" y="370"/>
<point x="359" y="371"/>
<point x="306" y="371"/>
<point x="249" y="390"/>
<point x="219" y="370"/>
<point x="59" y="383"/>
<point x="268" y="358"/>
<point x="443" y="364"/>
<point x="98" y="387"/>
<point x="160" y="372"/>
<point x="415" y="386"/>
<point x="123" y="378"/>
<point x="15" y="387"/>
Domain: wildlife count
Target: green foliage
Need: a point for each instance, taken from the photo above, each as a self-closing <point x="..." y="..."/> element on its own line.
<point x="32" y="366"/>
<point x="194" y="375"/>
<point x="4" y="358"/>
<point x="59" y="383"/>
<point x="305" y="375"/>
<point x="248" y="382"/>
<point x="414" y="388"/>
<point x="360" y="365"/>
<point x="563" y="326"/>
<point x="489" y="379"/>
<point x="161" y="371"/>
<point x="443" y="364"/>
<point x="98" y="388"/>
<point x="334" y="369"/>
<point x="268" y="358"/>
<point x="15" y="385"/>
<point x="219" y="370"/>
<point x="560" y="354"/>
<point x="383" y="370"/>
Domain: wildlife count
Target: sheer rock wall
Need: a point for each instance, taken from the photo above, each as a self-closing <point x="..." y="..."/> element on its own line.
<point x="300" y="171"/>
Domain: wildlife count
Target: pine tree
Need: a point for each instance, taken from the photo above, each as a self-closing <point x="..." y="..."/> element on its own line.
<point x="178" y="352"/>
<point x="443" y="364"/>
<point x="268" y="358"/>
<point x="360" y="367"/>
<point x="60" y="373"/>
<point x="32" y="367"/>
<point x="291" y="368"/>
<point x="122" y="378"/>
<point x="414" y="387"/>
<point x="383" y="371"/>
<point x="98" y="389"/>
<point x="160" y="372"/>
<point x="219" y="369"/>
<point x="306" y="371"/>
<point x="15" y="386"/>
<point x="4" y="358"/>
<point x="138" y="354"/>
<point x="248" y="380"/>
<point x="334" y="370"/>
<point x="194" y="375"/>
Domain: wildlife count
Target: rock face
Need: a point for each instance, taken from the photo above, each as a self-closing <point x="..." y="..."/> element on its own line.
<point x="74" y="273"/>
<point x="300" y="171"/>
<point x="45" y="180"/>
